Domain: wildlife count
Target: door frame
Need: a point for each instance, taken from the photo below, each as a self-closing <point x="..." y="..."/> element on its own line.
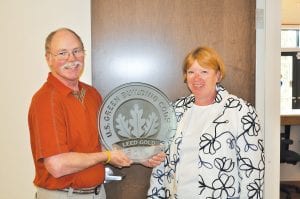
<point x="267" y="96"/>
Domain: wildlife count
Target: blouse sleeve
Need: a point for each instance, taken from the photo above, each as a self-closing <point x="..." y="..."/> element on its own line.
<point x="250" y="152"/>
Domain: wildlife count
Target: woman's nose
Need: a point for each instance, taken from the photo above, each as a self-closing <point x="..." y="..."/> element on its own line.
<point x="198" y="75"/>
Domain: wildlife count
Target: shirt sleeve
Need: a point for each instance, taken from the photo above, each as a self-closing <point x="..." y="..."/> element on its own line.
<point x="47" y="126"/>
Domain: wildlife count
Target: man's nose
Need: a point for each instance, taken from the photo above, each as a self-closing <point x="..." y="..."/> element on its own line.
<point x="71" y="56"/>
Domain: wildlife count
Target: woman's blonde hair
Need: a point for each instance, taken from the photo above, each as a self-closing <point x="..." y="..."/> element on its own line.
<point x="207" y="58"/>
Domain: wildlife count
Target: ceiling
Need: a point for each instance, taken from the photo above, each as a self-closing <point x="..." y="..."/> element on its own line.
<point x="290" y="12"/>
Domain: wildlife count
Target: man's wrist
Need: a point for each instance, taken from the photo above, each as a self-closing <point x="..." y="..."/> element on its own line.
<point x="108" y="155"/>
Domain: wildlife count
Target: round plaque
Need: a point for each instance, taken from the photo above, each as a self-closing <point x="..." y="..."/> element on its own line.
<point x="137" y="118"/>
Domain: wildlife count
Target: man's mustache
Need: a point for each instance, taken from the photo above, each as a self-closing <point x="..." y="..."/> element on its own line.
<point x="71" y="65"/>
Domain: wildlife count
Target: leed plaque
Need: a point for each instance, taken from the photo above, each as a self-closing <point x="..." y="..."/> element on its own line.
<point x="137" y="118"/>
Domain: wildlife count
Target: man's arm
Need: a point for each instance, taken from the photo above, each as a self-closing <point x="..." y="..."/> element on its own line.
<point x="72" y="162"/>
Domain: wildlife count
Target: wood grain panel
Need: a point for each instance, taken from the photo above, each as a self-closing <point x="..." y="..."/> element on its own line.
<point x="140" y="40"/>
<point x="147" y="40"/>
<point x="239" y="48"/>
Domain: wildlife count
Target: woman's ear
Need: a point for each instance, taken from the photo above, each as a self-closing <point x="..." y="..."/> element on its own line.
<point x="219" y="76"/>
<point x="184" y="78"/>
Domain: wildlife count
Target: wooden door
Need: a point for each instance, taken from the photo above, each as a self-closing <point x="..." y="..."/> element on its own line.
<point x="147" y="40"/>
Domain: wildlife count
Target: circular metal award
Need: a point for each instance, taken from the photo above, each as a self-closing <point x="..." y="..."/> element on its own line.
<point x="137" y="118"/>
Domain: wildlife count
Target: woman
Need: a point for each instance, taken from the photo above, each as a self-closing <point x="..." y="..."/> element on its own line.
<point x="218" y="149"/>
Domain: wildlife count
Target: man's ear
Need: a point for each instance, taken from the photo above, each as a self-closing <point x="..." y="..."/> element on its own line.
<point x="48" y="59"/>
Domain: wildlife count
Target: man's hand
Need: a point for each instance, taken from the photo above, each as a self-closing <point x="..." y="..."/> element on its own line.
<point x="119" y="159"/>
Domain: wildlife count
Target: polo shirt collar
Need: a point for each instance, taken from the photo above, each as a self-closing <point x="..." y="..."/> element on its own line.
<point x="59" y="85"/>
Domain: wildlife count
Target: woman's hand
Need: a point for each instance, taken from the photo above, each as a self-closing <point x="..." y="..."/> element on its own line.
<point x="154" y="160"/>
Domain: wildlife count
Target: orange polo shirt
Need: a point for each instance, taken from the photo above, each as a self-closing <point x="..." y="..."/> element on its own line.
<point x="60" y="123"/>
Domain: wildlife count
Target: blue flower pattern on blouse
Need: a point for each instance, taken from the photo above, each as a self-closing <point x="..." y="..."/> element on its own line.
<point x="236" y="176"/>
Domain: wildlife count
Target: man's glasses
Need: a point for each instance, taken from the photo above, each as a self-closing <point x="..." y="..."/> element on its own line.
<point x="64" y="54"/>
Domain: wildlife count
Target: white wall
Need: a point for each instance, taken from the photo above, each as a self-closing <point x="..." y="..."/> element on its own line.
<point x="24" y="25"/>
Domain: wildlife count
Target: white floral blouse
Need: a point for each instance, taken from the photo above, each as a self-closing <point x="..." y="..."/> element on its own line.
<point x="228" y="151"/>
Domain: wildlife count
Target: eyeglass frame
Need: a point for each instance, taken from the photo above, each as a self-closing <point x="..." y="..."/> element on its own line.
<point x="60" y="55"/>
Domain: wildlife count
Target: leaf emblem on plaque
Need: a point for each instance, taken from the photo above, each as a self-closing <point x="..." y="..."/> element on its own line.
<point x="137" y="126"/>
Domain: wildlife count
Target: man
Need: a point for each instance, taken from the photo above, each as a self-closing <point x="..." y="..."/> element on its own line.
<point x="63" y="126"/>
